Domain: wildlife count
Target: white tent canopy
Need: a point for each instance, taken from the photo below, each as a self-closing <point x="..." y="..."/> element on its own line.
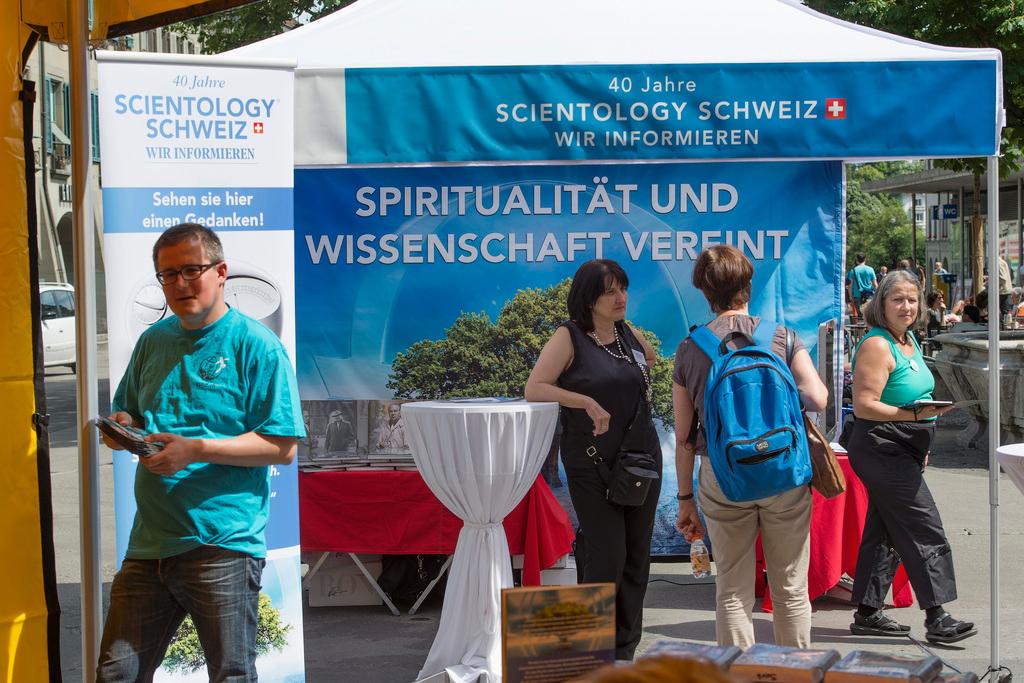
<point x="780" y="44"/>
<point x="404" y="33"/>
<point x="410" y="81"/>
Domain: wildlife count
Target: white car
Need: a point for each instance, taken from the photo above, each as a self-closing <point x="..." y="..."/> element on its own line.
<point x="57" y="315"/>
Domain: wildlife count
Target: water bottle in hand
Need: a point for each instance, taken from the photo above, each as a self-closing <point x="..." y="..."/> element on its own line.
<point x="700" y="559"/>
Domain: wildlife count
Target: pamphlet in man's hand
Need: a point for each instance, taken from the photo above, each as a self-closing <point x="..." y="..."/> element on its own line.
<point x="129" y="438"/>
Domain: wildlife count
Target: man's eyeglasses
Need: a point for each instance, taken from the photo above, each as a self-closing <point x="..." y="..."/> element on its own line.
<point x="189" y="272"/>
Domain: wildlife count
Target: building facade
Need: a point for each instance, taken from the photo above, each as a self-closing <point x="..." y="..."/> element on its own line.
<point x="49" y="68"/>
<point x="947" y="199"/>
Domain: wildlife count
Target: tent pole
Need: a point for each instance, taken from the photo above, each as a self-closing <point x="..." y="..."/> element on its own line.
<point x="85" y="336"/>
<point x="993" y="402"/>
<point x="913" y="231"/>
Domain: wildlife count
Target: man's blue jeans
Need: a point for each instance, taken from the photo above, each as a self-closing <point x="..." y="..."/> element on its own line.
<point x="149" y="599"/>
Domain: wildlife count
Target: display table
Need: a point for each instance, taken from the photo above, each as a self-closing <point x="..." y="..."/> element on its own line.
<point x="479" y="458"/>
<point x="394" y="513"/>
<point x="836" y="528"/>
<point x="1011" y="457"/>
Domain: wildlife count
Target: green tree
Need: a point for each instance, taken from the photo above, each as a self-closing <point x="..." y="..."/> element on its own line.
<point x="980" y="23"/>
<point x="254" y="22"/>
<point x="877" y="225"/>
<point x="185" y="654"/>
<point x="478" y="357"/>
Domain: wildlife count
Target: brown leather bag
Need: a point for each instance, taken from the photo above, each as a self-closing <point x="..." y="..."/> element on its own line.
<point x="826" y="475"/>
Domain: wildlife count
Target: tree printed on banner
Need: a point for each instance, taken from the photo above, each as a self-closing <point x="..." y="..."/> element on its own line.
<point x="478" y="357"/>
<point x="185" y="654"/>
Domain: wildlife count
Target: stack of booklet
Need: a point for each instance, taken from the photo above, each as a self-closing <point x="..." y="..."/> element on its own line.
<point x="763" y="662"/>
<point x="722" y="655"/>
<point x="375" y="462"/>
<point x="861" y="666"/>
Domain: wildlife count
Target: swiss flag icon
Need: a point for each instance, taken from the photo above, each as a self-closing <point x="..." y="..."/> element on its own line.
<point x="835" y="108"/>
<point x="257" y="127"/>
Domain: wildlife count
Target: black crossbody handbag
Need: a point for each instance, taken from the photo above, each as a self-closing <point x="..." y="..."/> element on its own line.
<point x="629" y="479"/>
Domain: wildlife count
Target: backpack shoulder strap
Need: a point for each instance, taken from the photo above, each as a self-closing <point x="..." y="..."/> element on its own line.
<point x="706" y="341"/>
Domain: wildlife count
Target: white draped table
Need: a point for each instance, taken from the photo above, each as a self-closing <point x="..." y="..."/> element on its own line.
<point x="479" y="458"/>
<point x="1011" y="457"/>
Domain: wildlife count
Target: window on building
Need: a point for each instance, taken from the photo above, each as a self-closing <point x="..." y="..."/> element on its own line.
<point x="94" y="120"/>
<point x="151" y="44"/>
<point x="165" y="41"/>
<point x="57" y="123"/>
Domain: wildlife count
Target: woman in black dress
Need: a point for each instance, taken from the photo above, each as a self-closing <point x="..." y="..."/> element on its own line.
<point x="598" y="368"/>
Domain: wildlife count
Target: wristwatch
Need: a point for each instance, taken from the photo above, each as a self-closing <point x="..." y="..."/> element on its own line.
<point x="684" y="496"/>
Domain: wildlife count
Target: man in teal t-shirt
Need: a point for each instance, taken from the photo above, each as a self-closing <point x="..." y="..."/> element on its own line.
<point x="218" y="390"/>
<point x="862" y="280"/>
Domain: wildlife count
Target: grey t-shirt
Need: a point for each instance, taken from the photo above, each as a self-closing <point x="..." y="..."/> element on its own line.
<point x="692" y="366"/>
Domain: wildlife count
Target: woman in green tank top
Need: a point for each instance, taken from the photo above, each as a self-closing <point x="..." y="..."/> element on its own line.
<point x="888" y="451"/>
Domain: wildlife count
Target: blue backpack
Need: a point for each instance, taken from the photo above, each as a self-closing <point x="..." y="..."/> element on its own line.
<point x="753" y="423"/>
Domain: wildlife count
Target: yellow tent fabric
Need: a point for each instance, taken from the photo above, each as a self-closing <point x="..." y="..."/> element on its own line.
<point x="112" y="18"/>
<point x="24" y="616"/>
<point x="29" y="626"/>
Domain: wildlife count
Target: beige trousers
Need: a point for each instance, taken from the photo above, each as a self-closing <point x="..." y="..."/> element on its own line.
<point x="784" y="521"/>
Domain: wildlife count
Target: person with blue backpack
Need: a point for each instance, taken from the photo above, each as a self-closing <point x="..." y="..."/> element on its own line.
<point x="888" y="447"/>
<point x="745" y="381"/>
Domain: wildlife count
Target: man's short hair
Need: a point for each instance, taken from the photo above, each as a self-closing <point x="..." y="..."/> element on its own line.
<point x="212" y="248"/>
<point x="904" y="263"/>
<point x="723" y="274"/>
<point x="861" y="258"/>
<point x="981" y="299"/>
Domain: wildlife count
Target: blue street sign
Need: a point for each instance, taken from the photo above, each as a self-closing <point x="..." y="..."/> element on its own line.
<point x="950" y="211"/>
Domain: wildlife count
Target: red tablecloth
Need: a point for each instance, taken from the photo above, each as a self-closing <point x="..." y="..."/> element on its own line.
<point x="836" y="528"/>
<point x="394" y="513"/>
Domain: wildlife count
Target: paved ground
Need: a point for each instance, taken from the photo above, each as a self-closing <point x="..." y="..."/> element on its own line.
<point x="368" y="645"/>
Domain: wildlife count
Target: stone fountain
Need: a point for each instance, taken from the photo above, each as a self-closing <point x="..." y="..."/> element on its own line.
<point x="961" y="372"/>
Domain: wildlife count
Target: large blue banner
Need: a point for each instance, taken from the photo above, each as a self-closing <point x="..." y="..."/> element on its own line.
<point x="674" y="111"/>
<point x="398" y="270"/>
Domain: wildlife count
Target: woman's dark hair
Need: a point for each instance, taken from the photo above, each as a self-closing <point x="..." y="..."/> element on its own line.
<point x="981" y="299"/>
<point x="972" y="313"/>
<point x="591" y="280"/>
<point x="723" y="274"/>
<point x="933" y="298"/>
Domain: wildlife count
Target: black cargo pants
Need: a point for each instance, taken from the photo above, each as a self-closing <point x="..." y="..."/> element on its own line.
<point x="902" y="520"/>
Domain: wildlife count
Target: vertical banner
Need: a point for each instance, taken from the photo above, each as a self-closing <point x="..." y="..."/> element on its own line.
<point x="211" y="142"/>
<point x="445" y="281"/>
